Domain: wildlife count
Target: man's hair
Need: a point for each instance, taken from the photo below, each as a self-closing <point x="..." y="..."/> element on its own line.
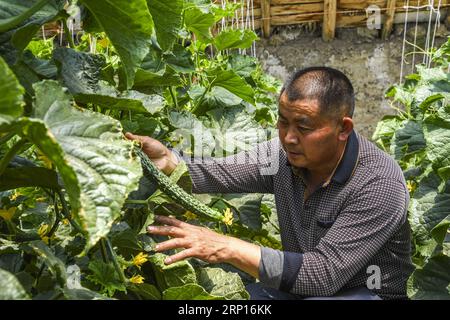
<point x="330" y="87"/>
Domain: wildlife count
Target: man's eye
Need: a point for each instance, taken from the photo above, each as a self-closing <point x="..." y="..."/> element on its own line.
<point x="303" y="129"/>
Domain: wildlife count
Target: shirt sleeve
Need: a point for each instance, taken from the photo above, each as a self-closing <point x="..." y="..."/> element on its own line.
<point x="246" y="172"/>
<point x="366" y="223"/>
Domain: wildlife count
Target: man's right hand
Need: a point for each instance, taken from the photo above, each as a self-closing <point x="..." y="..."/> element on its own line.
<point x="163" y="158"/>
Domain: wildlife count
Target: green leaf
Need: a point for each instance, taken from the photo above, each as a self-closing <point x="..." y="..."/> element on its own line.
<point x="96" y="152"/>
<point x="428" y="208"/>
<point x="229" y="80"/>
<point x="129" y="26"/>
<point x="218" y="282"/>
<point x="14" y="41"/>
<point x="168" y="19"/>
<point x="234" y="130"/>
<point x="408" y="139"/>
<point x="235" y="38"/>
<point x="431" y="282"/>
<point x="173" y="275"/>
<point x="11" y="94"/>
<point x="43" y="68"/>
<point x="180" y="59"/>
<point x="11" y="287"/>
<point x="248" y="207"/>
<point x="385" y="130"/>
<point x="83" y="294"/>
<point x="198" y="22"/>
<point x="105" y="275"/>
<point x="438" y="145"/>
<point x="190" y="291"/>
<point x="145" y="290"/>
<point x="21" y="177"/>
<point x="81" y="73"/>
<point x="244" y="66"/>
<point x="54" y="264"/>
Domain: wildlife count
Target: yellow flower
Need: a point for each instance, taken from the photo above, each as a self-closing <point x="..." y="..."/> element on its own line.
<point x="14" y="196"/>
<point x="66" y="221"/>
<point x="190" y="215"/>
<point x="140" y="259"/>
<point x="227" y="217"/>
<point x="137" y="279"/>
<point x="411" y="185"/>
<point x="42" y="231"/>
<point x="8" y="214"/>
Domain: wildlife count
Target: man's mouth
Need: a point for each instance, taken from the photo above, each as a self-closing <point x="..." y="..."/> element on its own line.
<point x="294" y="154"/>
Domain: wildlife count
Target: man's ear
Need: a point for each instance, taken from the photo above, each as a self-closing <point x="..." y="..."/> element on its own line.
<point x="346" y="128"/>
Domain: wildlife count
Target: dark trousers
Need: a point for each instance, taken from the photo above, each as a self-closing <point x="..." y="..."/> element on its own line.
<point x="259" y="292"/>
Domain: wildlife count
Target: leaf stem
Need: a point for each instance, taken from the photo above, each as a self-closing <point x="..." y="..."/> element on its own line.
<point x="114" y="259"/>
<point x="66" y="213"/>
<point x="173" y="97"/>
<point x="7" y="24"/>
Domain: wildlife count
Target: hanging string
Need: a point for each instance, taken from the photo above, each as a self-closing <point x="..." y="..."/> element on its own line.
<point x="415" y="38"/>
<point x="404" y="42"/>
<point x="61" y="33"/>
<point x="437" y="23"/>
<point x="427" y="41"/>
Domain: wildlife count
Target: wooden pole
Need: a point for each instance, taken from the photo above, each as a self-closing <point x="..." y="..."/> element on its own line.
<point x="389" y="22"/>
<point x="265" y="15"/>
<point x="329" y="20"/>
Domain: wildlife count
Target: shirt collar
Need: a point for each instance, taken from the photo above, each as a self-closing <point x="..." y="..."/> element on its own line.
<point x="346" y="165"/>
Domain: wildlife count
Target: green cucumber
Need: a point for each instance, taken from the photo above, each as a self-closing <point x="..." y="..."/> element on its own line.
<point x="175" y="192"/>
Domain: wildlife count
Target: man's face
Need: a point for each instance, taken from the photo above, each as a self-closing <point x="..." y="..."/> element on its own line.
<point x="309" y="139"/>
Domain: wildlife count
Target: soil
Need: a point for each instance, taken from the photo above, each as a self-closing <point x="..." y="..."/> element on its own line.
<point x="372" y="64"/>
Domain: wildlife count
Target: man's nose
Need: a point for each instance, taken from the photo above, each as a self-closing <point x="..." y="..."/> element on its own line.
<point x="291" y="137"/>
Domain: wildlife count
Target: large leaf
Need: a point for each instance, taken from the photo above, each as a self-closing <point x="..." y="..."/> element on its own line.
<point x="229" y="80"/>
<point x="432" y="281"/>
<point x="188" y="129"/>
<point x="438" y="145"/>
<point x="14" y="178"/>
<point x="248" y="206"/>
<point x="13" y="42"/>
<point x="173" y="275"/>
<point x="167" y="18"/>
<point x="222" y="284"/>
<point x="130" y="28"/>
<point x="408" y="139"/>
<point x="54" y="264"/>
<point x="11" y="287"/>
<point x="11" y="94"/>
<point x="100" y="157"/>
<point x="81" y="74"/>
<point x="190" y="291"/>
<point x="428" y="208"/>
<point x="235" y="38"/>
<point x="198" y="22"/>
<point x="234" y="130"/>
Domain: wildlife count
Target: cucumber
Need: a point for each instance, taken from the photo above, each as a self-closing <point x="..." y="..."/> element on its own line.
<point x="175" y="192"/>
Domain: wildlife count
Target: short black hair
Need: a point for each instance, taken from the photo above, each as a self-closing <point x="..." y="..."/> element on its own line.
<point x="330" y="87"/>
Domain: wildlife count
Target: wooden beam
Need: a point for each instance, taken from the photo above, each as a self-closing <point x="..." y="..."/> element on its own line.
<point x="329" y="20"/>
<point x="265" y="15"/>
<point x="389" y="19"/>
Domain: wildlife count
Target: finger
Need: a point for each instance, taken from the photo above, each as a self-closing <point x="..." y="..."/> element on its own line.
<point x="171" y="221"/>
<point x="170" y="231"/>
<point x="171" y="244"/>
<point x="187" y="253"/>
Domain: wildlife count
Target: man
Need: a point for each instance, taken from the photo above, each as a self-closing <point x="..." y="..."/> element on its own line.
<point x="341" y="202"/>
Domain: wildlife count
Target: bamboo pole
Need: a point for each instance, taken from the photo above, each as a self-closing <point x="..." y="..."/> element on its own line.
<point x="329" y="20"/>
<point x="265" y="15"/>
<point x="389" y="22"/>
